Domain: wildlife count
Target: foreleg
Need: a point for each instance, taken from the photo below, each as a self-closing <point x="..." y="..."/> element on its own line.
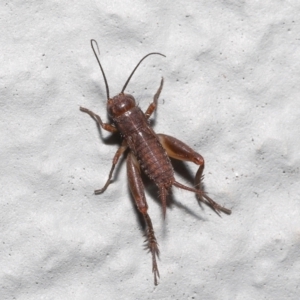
<point x="137" y="189"/>
<point x="105" y="126"/>
<point x="178" y="150"/>
<point x="153" y="105"/>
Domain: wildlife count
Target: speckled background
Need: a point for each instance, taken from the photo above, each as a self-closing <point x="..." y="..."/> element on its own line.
<point x="231" y="91"/>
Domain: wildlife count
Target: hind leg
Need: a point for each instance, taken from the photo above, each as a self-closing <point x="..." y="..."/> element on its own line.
<point x="137" y="189"/>
<point x="178" y="150"/>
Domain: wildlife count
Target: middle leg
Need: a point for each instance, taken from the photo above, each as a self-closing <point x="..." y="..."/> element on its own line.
<point x="118" y="154"/>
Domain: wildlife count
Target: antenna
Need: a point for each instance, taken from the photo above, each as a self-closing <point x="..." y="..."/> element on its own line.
<point x="106" y="85"/>
<point x="126" y="83"/>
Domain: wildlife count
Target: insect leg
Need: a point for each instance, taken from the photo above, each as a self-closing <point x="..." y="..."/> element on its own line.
<point x="178" y="150"/>
<point x="119" y="152"/>
<point x="153" y="105"/>
<point x="137" y="189"/>
<point x="105" y="126"/>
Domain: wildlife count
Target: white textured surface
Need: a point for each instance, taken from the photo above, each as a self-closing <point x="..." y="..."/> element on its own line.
<point x="231" y="91"/>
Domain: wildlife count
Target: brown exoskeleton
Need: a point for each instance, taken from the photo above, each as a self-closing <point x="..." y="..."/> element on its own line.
<point x="147" y="151"/>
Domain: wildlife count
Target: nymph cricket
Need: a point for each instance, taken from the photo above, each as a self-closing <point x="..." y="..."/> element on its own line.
<point x="148" y="152"/>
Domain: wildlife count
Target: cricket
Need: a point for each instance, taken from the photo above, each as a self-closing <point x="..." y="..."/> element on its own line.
<point x="147" y="152"/>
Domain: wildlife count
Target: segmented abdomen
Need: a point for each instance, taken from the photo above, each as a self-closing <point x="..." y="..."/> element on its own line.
<point x="145" y="145"/>
<point x="153" y="158"/>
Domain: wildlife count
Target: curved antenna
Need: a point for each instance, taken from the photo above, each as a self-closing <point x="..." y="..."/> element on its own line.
<point x="126" y="83"/>
<point x="106" y="85"/>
